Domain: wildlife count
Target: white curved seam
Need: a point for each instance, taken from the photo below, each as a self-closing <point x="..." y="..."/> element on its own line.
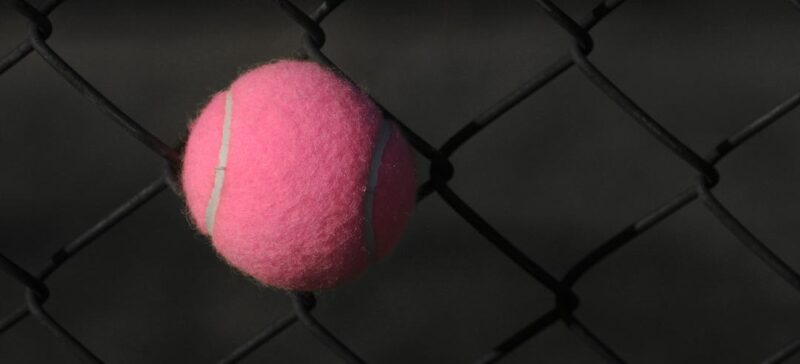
<point x="377" y="155"/>
<point x="219" y="171"/>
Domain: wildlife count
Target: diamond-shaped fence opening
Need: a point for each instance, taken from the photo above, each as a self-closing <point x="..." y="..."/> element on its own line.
<point x="440" y="171"/>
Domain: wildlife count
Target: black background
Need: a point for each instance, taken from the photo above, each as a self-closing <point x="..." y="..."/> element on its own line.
<point x="557" y="175"/>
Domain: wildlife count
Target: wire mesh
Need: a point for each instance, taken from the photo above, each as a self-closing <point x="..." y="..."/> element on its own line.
<point x="566" y="301"/>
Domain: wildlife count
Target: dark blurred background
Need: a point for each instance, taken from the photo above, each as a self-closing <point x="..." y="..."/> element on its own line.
<point x="558" y="175"/>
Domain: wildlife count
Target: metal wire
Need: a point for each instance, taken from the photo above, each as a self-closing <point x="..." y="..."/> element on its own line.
<point x="566" y="301"/>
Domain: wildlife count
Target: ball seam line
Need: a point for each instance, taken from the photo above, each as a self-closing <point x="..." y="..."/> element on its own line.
<point x="219" y="171"/>
<point x="384" y="133"/>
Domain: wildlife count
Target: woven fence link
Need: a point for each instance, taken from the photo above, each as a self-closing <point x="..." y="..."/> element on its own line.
<point x="566" y="302"/>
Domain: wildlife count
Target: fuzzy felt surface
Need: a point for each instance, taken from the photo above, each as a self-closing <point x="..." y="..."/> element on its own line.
<point x="291" y="211"/>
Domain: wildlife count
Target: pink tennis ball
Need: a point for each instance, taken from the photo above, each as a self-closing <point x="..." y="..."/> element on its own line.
<point x="297" y="178"/>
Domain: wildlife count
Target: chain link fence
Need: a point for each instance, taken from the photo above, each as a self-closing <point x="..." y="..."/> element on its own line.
<point x="566" y="301"/>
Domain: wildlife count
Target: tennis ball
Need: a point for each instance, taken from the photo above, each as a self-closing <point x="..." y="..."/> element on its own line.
<point x="296" y="177"/>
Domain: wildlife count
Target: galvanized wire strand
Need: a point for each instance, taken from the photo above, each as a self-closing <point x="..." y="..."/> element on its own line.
<point x="520" y="337"/>
<point x="683" y="198"/>
<point x="64" y="336"/>
<point x="82" y="241"/>
<point x="22" y="276"/>
<point x="103" y="103"/>
<point x="749" y="131"/>
<point x="499" y="242"/>
<point x="25" y="47"/>
<point x="592" y="340"/>
<point x="272" y="330"/>
<point x="784" y="354"/>
<point x="525" y="90"/>
<point x="640" y="116"/>
<point x="302" y="303"/>
<point x="578" y="32"/>
<point x="747" y="237"/>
